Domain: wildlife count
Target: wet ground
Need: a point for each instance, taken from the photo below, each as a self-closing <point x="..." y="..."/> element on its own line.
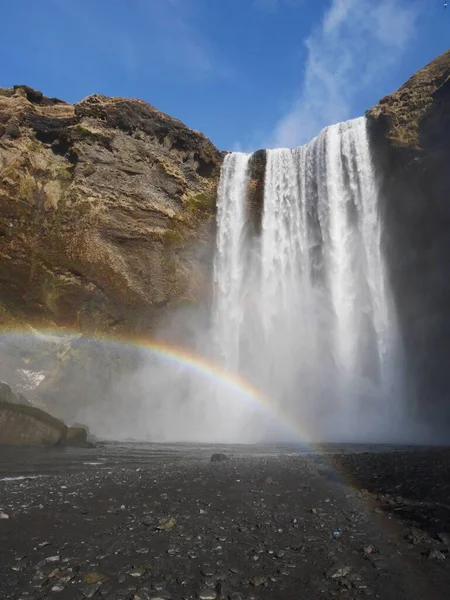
<point x="134" y="522"/>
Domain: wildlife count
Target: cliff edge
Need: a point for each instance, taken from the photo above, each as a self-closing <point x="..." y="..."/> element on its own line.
<point x="106" y="212"/>
<point x="410" y="138"/>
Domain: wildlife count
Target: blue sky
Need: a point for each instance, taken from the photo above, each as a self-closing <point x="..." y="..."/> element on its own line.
<point x="247" y="73"/>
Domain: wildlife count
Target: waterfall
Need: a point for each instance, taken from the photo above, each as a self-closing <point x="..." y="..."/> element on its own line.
<point x="229" y="264"/>
<point x="305" y="311"/>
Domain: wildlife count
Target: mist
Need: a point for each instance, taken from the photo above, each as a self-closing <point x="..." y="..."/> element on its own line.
<point x="302" y="312"/>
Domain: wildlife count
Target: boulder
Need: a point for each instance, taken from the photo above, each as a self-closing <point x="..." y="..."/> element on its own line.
<point x="22" y="425"/>
<point x="219" y="457"/>
<point x="76" y="436"/>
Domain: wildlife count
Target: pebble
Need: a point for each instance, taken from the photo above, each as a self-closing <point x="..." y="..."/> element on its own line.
<point x="89" y="591"/>
<point x="167" y="524"/>
<point x="436" y="555"/>
<point x="257" y="581"/>
<point x="336" y="573"/>
<point x="53" y="559"/>
<point x="93" y="577"/>
<point x="444" y="538"/>
<point x="207" y="594"/>
<point x="4" y="515"/>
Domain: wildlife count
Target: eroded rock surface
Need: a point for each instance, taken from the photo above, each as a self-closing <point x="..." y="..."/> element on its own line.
<point x="411" y="147"/>
<point x="22" y="425"/>
<point x="106" y="212"/>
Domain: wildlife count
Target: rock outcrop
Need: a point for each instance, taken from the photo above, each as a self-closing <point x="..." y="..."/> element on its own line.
<point x="25" y="425"/>
<point x="106" y="212"/>
<point x="255" y="193"/>
<point x="22" y="424"/>
<point x="76" y="436"/>
<point x="29" y="426"/>
<point x="410" y="136"/>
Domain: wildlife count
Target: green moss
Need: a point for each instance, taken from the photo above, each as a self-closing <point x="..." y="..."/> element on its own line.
<point x="174" y="172"/>
<point x="203" y="202"/>
<point x="27" y="188"/>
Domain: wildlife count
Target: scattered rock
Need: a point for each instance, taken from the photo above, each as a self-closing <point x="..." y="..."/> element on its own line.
<point x="219" y="457"/>
<point x="435" y="554"/>
<point x="257" y="581"/>
<point x="89" y="591"/>
<point x="53" y="559"/>
<point x="444" y="538"/>
<point x="207" y="594"/>
<point x="415" y="537"/>
<point x="167" y="524"/>
<point x="338" y="572"/>
<point x="94" y="577"/>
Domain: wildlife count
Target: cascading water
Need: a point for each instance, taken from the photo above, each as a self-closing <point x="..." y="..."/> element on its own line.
<point x="305" y="311"/>
<point x="229" y="263"/>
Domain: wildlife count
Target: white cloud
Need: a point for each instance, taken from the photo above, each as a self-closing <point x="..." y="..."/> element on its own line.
<point x="356" y="42"/>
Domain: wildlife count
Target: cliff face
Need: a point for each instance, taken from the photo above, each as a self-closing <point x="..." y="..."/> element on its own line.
<point x="106" y="212"/>
<point x="410" y="136"/>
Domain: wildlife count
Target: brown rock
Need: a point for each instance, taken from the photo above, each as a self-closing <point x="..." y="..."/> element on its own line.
<point x="28" y="426"/>
<point x="76" y="436"/>
<point x="106" y="212"/>
<point x="257" y="171"/>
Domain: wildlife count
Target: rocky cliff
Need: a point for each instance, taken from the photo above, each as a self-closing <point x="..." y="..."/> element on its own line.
<point x="106" y="212"/>
<point x="106" y="222"/>
<point x="410" y="137"/>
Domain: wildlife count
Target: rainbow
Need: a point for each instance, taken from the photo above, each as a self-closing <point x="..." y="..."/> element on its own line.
<point x="206" y="369"/>
<point x="185" y="357"/>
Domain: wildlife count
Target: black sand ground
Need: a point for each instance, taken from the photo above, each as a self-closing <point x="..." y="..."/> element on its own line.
<point x="170" y="524"/>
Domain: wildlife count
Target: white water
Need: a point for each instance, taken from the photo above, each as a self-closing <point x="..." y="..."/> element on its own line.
<point x="229" y="263"/>
<point x="305" y="312"/>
